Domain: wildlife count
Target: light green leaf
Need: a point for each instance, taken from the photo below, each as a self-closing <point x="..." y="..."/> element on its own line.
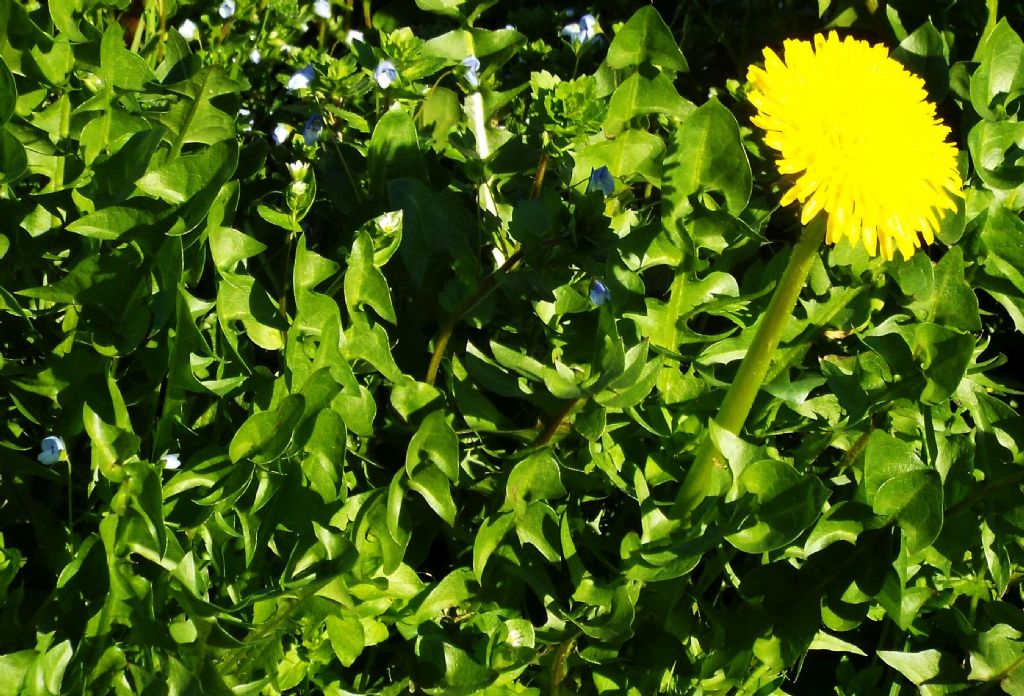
<point x="264" y="436"/>
<point x="489" y="536"/>
<point x="632" y="153"/>
<point x="180" y="180"/>
<point x="364" y="283"/>
<point x="119" y="66"/>
<point x="460" y="43"/>
<point x="886" y="457"/>
<point x="999" y="78"/>
<point x="346" y="636"/>
<point x="456" y="587"/>
<point x="538" y="477"/>
<point x="705" y="156"/>
<point x="646" y="38"/>
<point x="924" y="53"/>
<point x="918" y="667"/>
<point x="995" y="148"/>
<point x="435" y="488"/>
<point x="434" y="442"/>
<point x="393" y="152"/>
<point x="640" y="94"/>
<point x="914" y="499"/>
<point x="788" y="504"/>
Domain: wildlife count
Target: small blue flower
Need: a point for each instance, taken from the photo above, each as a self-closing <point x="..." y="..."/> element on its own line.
<point x="581" y="32"/>
<point x="52" y="450"/>
<point x="226" y="9"/>
<point x="472" y="65"/>
<point x="599" y="293"/>
<point x="255" y="56"/>
<point x="353" y="35"/>
<point x="588" y="28"/>
<point x="601" y="180"/>
<point x="385" y="73"/>
<point x="322" y="9"/>
<point x="302" y="78"/>
<point x="281" y="133"/>
<point x="572" y="32"/>
<point x="313" y="128"/>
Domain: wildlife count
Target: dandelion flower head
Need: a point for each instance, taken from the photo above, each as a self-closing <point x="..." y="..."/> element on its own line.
<point x="861" y="140"/>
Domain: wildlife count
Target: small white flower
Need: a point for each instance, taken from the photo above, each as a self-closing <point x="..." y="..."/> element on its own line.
<point x="298" y="169"/>
<point x="170" y="461"/>
<point x="281" y="133"/>
<point x="52" y="450"/>
<point x="188" y="30"/>
<point x="255" y="56"/>
<point x="385" y="73"/>
<point x="354" y="35"/>
<point x="390" y="222"/>
<point x="301" y="79"/>
<point x="322" y="8"/>
<point x="226" y="9"/>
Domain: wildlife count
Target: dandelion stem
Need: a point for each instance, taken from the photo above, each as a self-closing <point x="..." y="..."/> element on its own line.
<point x="736" y="406"/>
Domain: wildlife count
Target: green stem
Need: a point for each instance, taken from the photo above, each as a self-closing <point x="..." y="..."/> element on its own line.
<point x="477" y="124"/>
<point x="465" y="307"/>
<point x="736" y="407"/>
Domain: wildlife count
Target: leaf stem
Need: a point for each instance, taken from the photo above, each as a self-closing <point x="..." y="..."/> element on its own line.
<point x="538" y="179"/>
<point x="556" y="421"/>
<point x="465" y="307"/>
<point x="736" y="406"/>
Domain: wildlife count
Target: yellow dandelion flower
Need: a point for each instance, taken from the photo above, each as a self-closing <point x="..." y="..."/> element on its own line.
<point x="860" y="138"/>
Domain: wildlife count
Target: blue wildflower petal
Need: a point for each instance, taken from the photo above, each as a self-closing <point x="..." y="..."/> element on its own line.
<point x="226" y="9"/>
<point x="599" y="293"/>
<point x="588" y="28"/>
<point x="311" y="131"/>
<point x="302" y="78"/>
<point x="601" y="180"/>
<point x="51" y="449"/>
<point x="385" y="74"/>
<point x="472" y="65"/>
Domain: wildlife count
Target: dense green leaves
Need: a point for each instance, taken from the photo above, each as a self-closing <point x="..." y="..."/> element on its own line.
<point x="381" y="386"/>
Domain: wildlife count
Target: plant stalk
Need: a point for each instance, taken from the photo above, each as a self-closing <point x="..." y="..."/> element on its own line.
<point x="736" y="406"/>
<point x="477" y="123"/>
<point x="465" y="307"/>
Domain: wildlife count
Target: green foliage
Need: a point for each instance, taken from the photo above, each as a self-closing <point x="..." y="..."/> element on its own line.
<point x="420" y="449"/>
